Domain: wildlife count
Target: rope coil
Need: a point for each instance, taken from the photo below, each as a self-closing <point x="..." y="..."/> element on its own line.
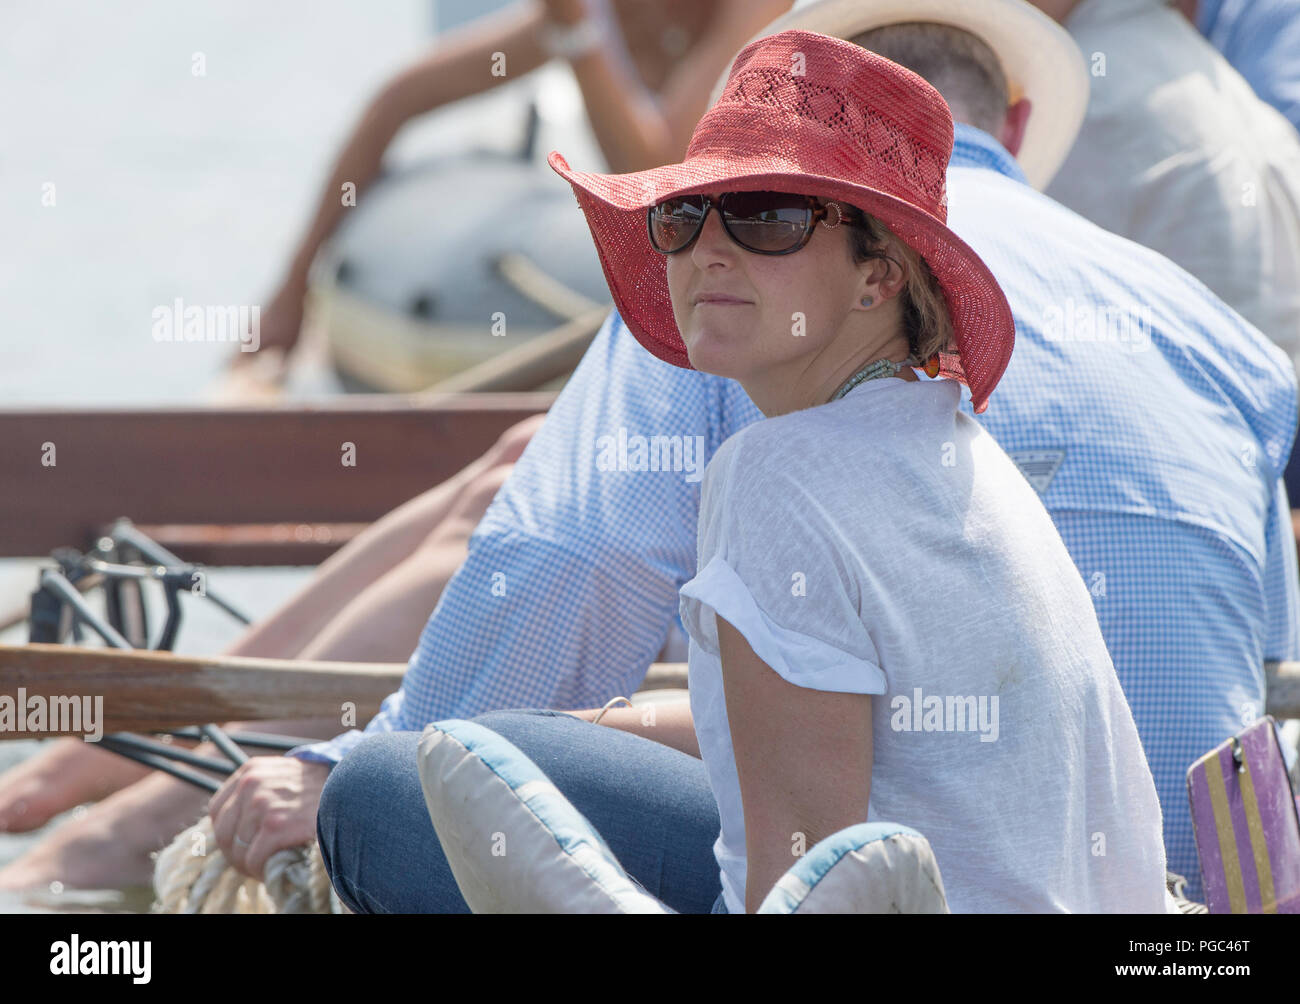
<point x="192" y="876"/>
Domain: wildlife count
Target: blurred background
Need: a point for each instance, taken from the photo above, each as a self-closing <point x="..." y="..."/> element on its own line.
<point x="168" y="184"/>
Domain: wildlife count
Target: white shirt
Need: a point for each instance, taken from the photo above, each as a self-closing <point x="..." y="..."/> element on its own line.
<point x="1178" y="153"/>
<point x="884" y="544"/>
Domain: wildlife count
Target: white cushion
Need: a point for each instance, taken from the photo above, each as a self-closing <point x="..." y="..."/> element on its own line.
<point x="867" y="868"/>
<point x="515" y="844"/>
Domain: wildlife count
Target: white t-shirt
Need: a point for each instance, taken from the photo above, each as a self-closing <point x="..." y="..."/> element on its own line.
<point x="884" y="544"/>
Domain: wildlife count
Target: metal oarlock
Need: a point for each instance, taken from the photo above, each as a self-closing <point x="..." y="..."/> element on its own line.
<point x="108" y="564"/>
<point x="124" y="532"/>
<point x="58" y="608"/>
<point x="53" y="584"/>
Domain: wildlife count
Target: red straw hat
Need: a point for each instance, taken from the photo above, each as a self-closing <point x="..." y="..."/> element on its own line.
<point x="812" y="115"/>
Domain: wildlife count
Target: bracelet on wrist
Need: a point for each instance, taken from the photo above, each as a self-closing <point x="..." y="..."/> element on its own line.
<point x="609" y="704"/>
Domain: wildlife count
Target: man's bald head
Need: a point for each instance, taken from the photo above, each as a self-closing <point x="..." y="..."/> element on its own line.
<point x="954" y="62"/>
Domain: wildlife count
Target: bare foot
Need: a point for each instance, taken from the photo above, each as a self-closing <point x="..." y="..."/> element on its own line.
<point x="110" y="845"/>
<point x="88" y="859"/>
<point x="67" y="772"/>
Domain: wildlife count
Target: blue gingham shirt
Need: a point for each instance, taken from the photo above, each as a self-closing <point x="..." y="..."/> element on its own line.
<point x="1156" y="448"/>
<point x="1261" y="39"/>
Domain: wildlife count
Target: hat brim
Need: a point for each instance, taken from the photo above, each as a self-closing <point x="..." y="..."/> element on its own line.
<point x="1038" y="56"/>
<point x="615" y="207"/>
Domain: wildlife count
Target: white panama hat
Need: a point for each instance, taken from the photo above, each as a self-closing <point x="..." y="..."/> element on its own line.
<point x="1038" y="56"/>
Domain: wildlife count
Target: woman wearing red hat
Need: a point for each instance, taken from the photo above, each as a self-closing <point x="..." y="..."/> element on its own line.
<point x="884" y="623"/>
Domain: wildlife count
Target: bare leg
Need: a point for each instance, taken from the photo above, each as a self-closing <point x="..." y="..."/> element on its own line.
<point x="383" y="622"/>
<point x="295" y="628"/>
<point x="394" y="605"/>
<point x="66" y="772"/>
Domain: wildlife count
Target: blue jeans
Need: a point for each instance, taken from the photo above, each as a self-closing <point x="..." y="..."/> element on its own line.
<point x="650" y="803"/>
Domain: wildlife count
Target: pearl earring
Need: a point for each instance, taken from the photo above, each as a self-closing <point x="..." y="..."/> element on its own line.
<point x="867" y="301"/>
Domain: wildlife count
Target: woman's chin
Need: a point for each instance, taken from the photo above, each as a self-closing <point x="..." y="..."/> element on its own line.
<point x="720" y="356"/>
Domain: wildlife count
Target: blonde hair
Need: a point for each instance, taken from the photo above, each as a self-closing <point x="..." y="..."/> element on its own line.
<point x="926" y="321"/>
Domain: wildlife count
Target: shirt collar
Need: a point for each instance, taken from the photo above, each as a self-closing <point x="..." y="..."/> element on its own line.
<point x="973" y="147"/>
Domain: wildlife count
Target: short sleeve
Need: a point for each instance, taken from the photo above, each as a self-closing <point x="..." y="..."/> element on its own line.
<point x="773" y="566"/>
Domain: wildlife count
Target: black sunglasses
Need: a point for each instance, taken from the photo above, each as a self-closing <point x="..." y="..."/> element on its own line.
<point x="761" y="222"/>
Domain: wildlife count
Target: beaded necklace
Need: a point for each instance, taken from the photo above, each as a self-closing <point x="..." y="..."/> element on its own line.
<point x="879" y="368"/>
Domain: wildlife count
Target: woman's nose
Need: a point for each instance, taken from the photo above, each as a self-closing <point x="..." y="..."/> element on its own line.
<point x="713" y="245"/>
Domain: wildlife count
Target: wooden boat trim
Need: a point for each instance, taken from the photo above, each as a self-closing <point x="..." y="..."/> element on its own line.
<point x="263" y="473"/>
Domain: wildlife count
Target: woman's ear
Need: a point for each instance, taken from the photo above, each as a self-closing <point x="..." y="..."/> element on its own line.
<point x="882" y="279"/>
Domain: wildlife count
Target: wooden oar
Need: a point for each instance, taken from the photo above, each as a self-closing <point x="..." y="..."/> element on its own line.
<point x="156" y="691"/>
<point x="530" y="365"/>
